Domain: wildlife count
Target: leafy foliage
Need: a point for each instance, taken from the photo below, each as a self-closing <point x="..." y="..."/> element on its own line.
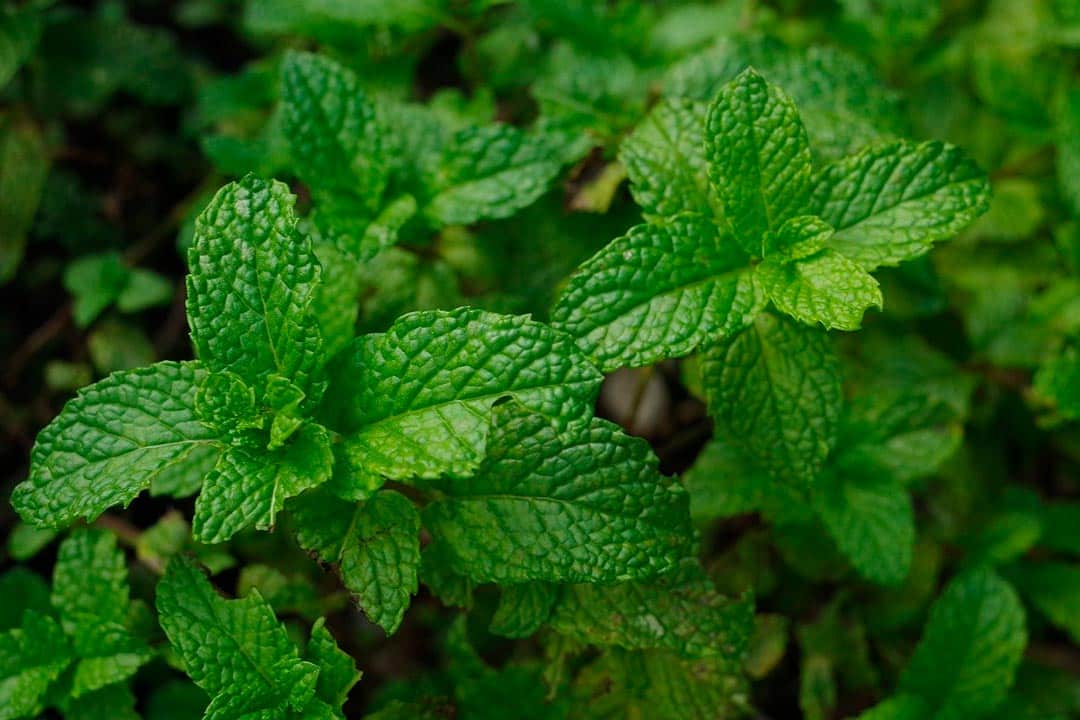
<point x="613" y="359"/>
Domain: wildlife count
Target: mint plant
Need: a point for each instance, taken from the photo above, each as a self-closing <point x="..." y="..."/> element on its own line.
<point x="800" y="441"/>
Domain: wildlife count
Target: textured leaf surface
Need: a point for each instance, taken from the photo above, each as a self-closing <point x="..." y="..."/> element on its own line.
<point x="90" y="593"/>
<point x="112" y="441"/>
<point x="967" y="657"/>
<point x="775" y="388"/>
<point x="337" y="671"/>
<point x="489" y="172"/>
<point x="253" y="277"/>
<point x="658" y="292"/>
<point x="523" y="609"/>
<point x="580" y="504"/>
<point x="376" y="546"/>
<point x="335" y="145"/>
<point x="665" y="160"/>
<point x="871" y="521"/>
<point x="890" y="203"/>
<point x="759" y="157"/>
<point x="824" y="288"/>
<point x="31" y="658"/>
<point x="682" y="612"/>
<point x="415" y="401"/>
<point x="235" y="650"/>
<point x="249" y="485"/>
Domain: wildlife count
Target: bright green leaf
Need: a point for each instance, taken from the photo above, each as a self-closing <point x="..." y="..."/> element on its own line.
<point x="973" y="641"/>
<point x="415" y="401"/>
<point x="112" y="441"/>
<point x="660" y="291"/>
<point x="775" y="388"/>
<point x="580" y="504"/>
<point x="235" y="650"/>
<point x="891" y="203"/>
<point x="758" y="157"/>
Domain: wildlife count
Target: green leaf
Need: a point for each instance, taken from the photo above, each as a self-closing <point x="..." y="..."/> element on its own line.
<point x="1058" y="382"/>
<point x="415" y="401"/>
<point x="775" y="389"/>
<point x="758" y="156"/>
<point x="253" y="277"/>
<point x="583" y="503"/>
<point x="95" y="281"/>
<point x="967" y="657"/>
<point x="336" y="303"/>
<point x="488" y="172"/>
<point x="824" y="288"/>
<point x="376" y="546"/>
<point x="1067" y="131"/>
<point x="144" y="289"/>
<point x="798" y="238"/>
<point x="31" y="658"/>
<point x="235" y="650"/>
<point x="660" y="291"/>
<point x="681" y="611"/>
<point x="899" y="707"/>
<point x="90" y="593"/>
<point x="891" y="203"/>
<point x="523" y="609"/>
<point x="337" y="671"/>
<point x="871" y="521"/>
<point x="1054" y="589"/>
<point x="112" y="441"/>
<point x="335" y="144"/>
<point x="20" y="30"/>
<point x="112" y="702"/>
<point x="24" y="164"/>
<point x="665" y="160"/>
<point x="21" y="589"/>
<point x="249" y="485"/>
<point x="659" y="685"/>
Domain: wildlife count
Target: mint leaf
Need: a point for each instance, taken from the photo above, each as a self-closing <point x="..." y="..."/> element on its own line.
<point x="824" y="288"/>
<point x="665" y="160"/>
<point x="758" y="157"/>
<point x="375" y="545"/>
<point x="31" y="658"/>
<point x="112" y="441"/>
<point x="969" y="651"/>
<point x="900" y="707"/>
<point x="488" y="172"/>
<point x="249" y="484"/>
<point x="890" y="203"/>
<point x="659" y="684"/>
<point x="799" y="237"/>
<point x="90" y="593"/>
<point x="523" y="609"/>
<point x="1054" y="589"/>
<point x="584" y="503"/>
<point x="113" y="702"/>
<point x="335" y="144"/>
<point x="775" y="388"/>
<point x="681" y="612"/>
<point x="871" y="521"/>
<point x="414" y="401"/>
<point x="337" y="671"/>
<point x="660" y="291"/>
<point x="20" y="30"/>
<point x="253" y="278"/>
<point x="235" y="650"/>
<point x="24" y="165"/>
